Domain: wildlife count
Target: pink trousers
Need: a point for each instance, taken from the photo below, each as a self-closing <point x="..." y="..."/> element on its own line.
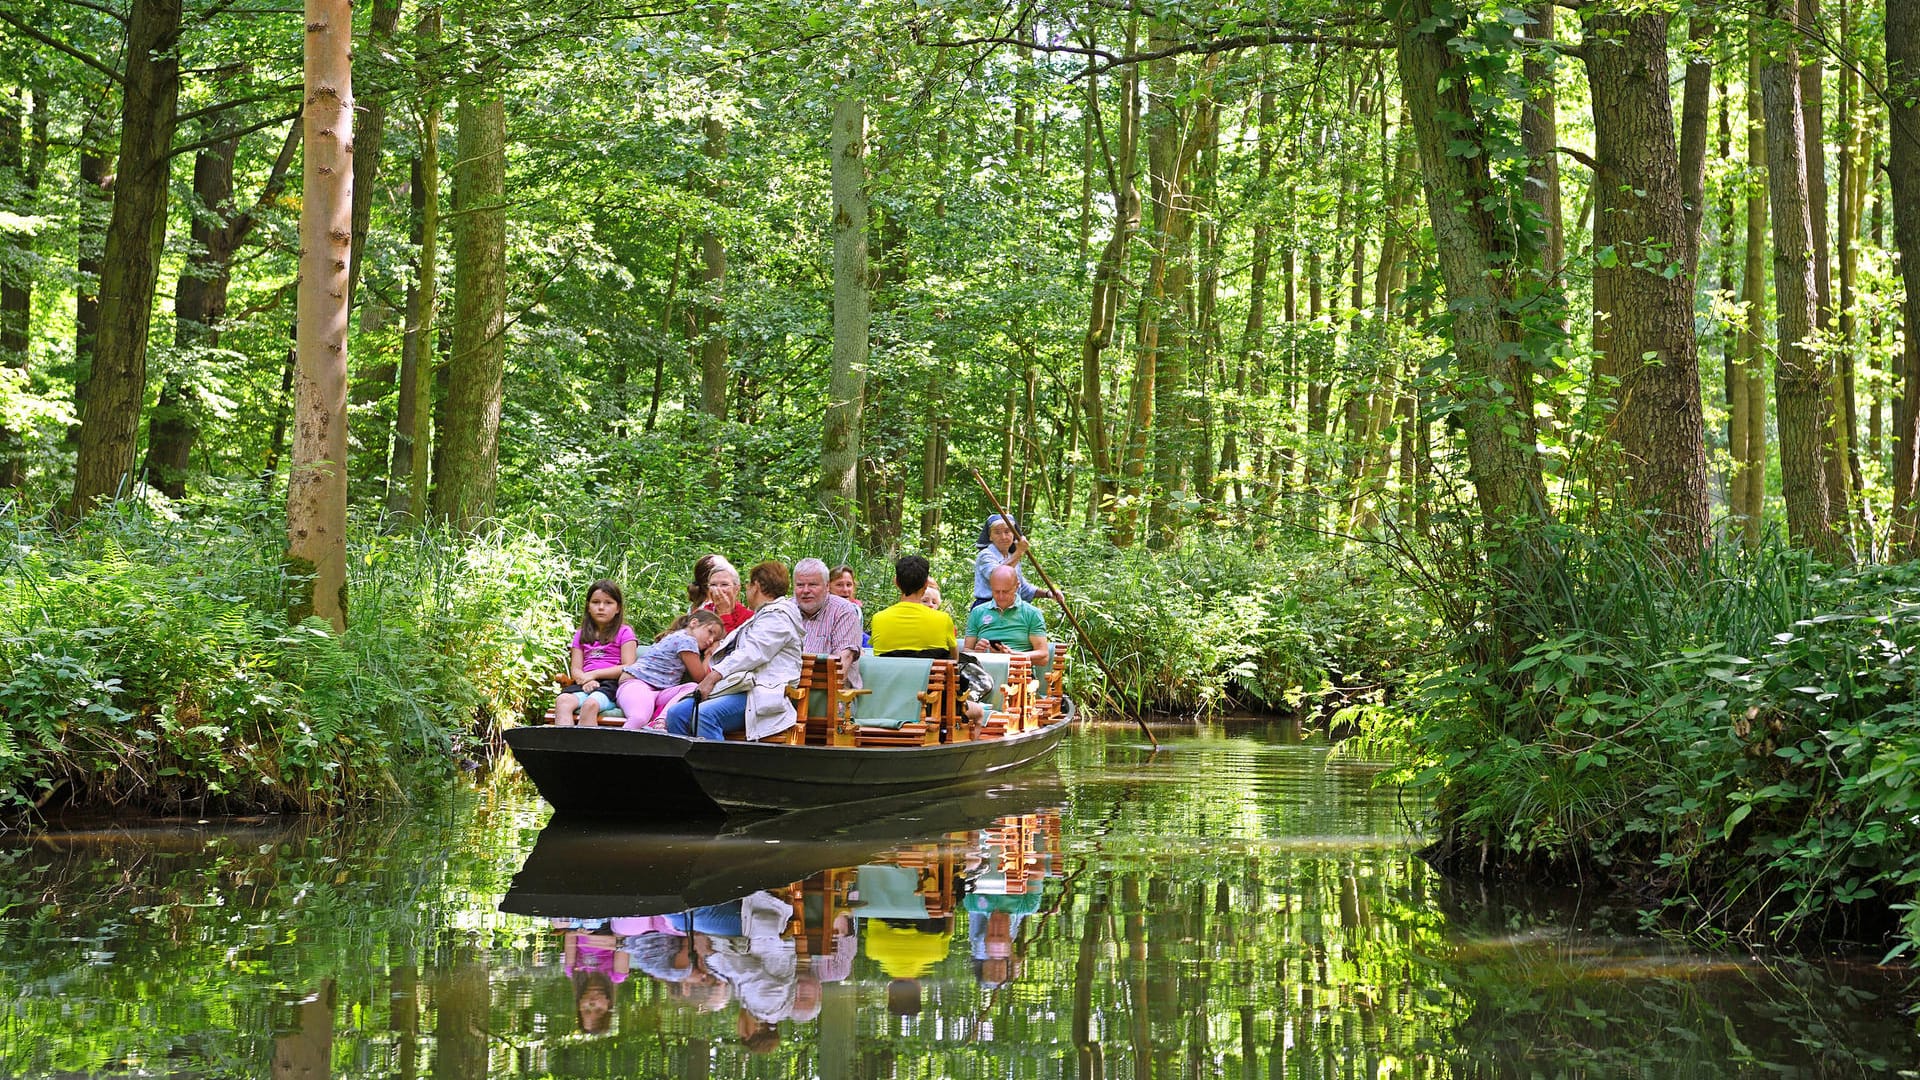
<point x="643" y="704"/>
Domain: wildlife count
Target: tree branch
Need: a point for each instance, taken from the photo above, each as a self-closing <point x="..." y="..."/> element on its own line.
<point x="61" y="46"/>
<point x="221" y="106"/>
<point x="1244" y="41"/>
<point x="100" y="9"/>
<point x="276" y="182"/>
<point x="223" y="136"/>
<point x="1580" y="157"/>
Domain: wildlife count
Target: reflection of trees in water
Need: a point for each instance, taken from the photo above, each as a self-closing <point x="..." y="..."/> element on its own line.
<point x="1223" y="921"/>
<point x="212" y="937"/>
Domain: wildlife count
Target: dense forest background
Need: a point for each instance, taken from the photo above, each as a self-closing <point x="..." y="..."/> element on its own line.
<point x="1533" y="387"/>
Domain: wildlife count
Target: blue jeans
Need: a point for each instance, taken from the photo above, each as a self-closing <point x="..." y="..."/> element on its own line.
<point x="717" y="716"/>
<point x="718" y="920"/>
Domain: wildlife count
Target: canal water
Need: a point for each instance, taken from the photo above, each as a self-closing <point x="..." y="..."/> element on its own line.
<point x="1242" y="903"/>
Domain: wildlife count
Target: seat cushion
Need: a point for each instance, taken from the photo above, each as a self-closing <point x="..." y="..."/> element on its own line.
<point x="895" y="684"/>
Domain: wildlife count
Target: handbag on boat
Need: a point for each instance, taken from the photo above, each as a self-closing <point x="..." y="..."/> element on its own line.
<point x="975" y="683"/>
<point x="736" y="682"/>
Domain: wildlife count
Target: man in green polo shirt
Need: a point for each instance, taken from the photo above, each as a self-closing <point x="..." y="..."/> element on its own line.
<point x="1008" y="624"/>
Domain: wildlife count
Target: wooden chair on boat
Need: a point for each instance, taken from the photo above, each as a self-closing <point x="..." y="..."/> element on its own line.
<point x="825" y="702"/>
<point x="1052" y="678"/>
<point x="936" y="865"/>
<point x="1009" y="709"/>
<point x="905" y="702"/>
<point x="611" y="718"/>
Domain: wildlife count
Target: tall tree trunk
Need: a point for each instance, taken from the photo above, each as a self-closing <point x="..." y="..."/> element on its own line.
<point x="1172" y="433"/>
<point x="1903" y="173"/>
<point x="23" y="151"/>
<point x="317" y="486"/>
<point x="1750" y="471"/>
<point x="1852" y="198"/>
<point x="1163" y="148"/>
<point x="370" y="136"/>
<point x="115" y="390"/>
<point x="1648" y="235"/>
<point x="1252" y="361"/>
<point x="468" y="443"/>
<point x="199" y="303"/>
<point x="1834" y="448"/>
<point x="1695" y="105"/>
<point x="852" y="308"/>
<point x="713" y="259"/>
<point x="1801" y="390"/>
<point x="424" y="302"/>
<point x="95" y="198"/>
<point x="1495" y="405"/>
<point x="1121" y="150"/>
<point x="407" y="479"/>
<point x="1540" y="137"/>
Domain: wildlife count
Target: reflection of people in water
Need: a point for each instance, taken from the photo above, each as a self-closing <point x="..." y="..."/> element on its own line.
<point x="596" y="964"/>
<point x="905" y="949"/>
<point x="762" y="966"/>
<point x="900" y="936"/>
<point x="662" y="946"/>
<point x="992" y="934"/>
<point x="836" y="963"/>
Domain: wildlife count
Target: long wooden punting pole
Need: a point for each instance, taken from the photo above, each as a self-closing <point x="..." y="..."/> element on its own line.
<point x="1085" y="641"/>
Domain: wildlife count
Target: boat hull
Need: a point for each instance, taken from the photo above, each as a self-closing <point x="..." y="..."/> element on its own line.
<point x="605" y="772"/>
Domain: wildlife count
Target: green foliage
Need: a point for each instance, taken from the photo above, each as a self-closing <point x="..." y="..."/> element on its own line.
<point x="1738" y="731"/>
<point x="146" y="658"/>
<point x="1213" y="623"/>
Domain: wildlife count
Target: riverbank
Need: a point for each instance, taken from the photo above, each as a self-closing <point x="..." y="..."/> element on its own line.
<point x="146" y="662"/>
<point x="1735" y="739"/>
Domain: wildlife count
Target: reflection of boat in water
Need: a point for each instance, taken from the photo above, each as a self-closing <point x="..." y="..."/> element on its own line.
<point x="846" y="746"/>
<point x="728" y="914"/>
<point x="593" y="868"/>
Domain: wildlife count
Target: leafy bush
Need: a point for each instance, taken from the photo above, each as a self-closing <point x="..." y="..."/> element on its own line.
<point x="1212" y="622"/>
<point x="146" y="658"/>
<point x="1737" y="734"/>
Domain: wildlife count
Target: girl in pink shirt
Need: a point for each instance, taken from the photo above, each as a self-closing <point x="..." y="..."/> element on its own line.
<point x="600" y="648"/>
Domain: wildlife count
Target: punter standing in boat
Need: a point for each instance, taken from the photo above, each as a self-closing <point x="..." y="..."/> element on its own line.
<point x="751" y="668"/>
<point x="999" y="548"/>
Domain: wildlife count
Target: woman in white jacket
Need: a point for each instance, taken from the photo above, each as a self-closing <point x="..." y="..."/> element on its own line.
<point x="751" y="668"/>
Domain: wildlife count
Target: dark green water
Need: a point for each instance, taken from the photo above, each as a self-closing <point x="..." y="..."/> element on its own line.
<point x="1239" y="905"/>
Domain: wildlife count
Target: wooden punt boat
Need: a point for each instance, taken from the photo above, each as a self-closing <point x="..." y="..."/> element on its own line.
<point x="847" y="746"/>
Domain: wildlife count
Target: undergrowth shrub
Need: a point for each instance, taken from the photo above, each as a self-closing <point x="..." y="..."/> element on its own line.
<point x="145" y="658"/>
<point x="1213" y="623"/>
<point x="1737" y="734"/>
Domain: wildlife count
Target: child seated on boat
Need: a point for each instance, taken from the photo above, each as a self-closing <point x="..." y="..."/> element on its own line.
<point x="677" y="658"/>
<point x="602" y="645"/>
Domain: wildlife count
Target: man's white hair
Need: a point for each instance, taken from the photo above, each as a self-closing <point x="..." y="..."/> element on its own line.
<point x="810" y="566"/>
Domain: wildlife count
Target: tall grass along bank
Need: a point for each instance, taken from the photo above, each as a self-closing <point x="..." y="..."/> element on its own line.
<point x="1737" y="736"/>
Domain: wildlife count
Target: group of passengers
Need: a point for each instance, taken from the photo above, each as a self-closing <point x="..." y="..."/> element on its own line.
<point x="725" y="665"/>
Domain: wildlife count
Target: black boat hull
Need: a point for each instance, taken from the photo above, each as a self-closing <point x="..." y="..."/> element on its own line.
<point x="605" y="772"/>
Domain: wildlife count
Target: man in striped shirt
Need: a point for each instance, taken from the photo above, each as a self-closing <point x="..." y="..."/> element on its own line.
<point x="831" y="624"/>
